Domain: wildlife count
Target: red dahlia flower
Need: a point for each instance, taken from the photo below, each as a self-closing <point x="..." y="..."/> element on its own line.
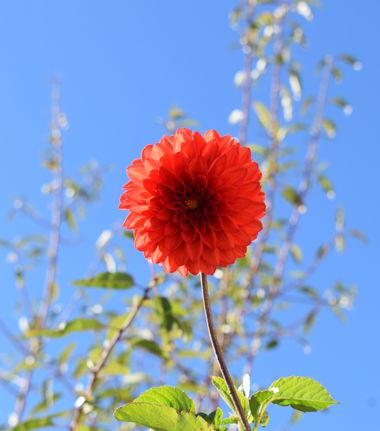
<point x="195" y="201"/>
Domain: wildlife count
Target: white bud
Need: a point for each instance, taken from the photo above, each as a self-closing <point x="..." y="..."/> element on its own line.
<point x="80" y="401"/>
<point x="240" y="78"/>
<point x="304" y="9"/>
<point x="236" y="116"/>
<point x="103" y="239"/>
<point x="29" y="360"/>
<point x="13" y="419"/>
<point x="218" y="273"/>
<point x="23" y="324"/>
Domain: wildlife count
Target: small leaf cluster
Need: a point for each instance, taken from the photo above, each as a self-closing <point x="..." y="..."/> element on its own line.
<point x="167" y="408"/>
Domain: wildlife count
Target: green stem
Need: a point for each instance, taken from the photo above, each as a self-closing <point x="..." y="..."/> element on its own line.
<point x="260" y="416"/>
<point x="219" y="355"/>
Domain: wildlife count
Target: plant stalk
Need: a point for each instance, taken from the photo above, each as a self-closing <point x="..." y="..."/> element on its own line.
<point x="219" y="355"/>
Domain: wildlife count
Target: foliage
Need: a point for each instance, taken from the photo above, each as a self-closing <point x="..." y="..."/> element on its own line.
<point x="96" y="355"/>
<point x="167" y="408"/>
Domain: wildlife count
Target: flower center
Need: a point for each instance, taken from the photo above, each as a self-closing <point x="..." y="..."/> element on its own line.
<point x="191" y="204"/>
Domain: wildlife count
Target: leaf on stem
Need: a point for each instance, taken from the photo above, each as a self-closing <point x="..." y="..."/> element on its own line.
<point x="108" y="280"/>
<point x="77" y="325"/>
<point x="302" y="393"/>
<point x="221" y="386"/>
<point x="264" y="117"/>
<point x="164" y="408"/>
<point x="168" y="396"/>
<point x="292" y="196"/>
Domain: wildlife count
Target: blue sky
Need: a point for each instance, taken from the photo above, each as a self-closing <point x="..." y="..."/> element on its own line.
<point x="123" y="64"/>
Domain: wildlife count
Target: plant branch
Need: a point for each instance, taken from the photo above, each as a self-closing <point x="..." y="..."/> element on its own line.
<point x="247" y="96"/>
<point x="54" y="243"/>
<point x="308" y="170"/>
<point x="273" y="153"/>
<point x="57" y="210"/>
<point x="105" y="354"/>
<point x="303" y="189"/>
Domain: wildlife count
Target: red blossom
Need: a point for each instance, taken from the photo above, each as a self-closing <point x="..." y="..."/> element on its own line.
<point x="195" y="201"/>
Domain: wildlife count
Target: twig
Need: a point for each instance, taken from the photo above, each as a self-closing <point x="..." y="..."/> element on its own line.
<point x="56" y="217"/>
<point x="293" y="221"/>
<point x="105" y="354"/>
<point x="4" y="381"/>
<point x="18" y="344"/>
<point x="310" y="270"/>
<point x="22" y="396"/>
<point x="247" y="96"/>
<point x="273" y="152"/>
<point x="308" y="171"/>
<point x="54" y="244"/>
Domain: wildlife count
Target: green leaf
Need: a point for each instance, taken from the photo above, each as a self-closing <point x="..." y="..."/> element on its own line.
<point x="128" y="234"/>
<point x="258" y="403"/>
<point x="329" y="127"/>
<point x="340" y="243"/>
<point x="296" y="417"/>
<point x="160" y="417"/>
<point x="309" y="291"/>
<point x="265" y="18"/>
<point x="70" y="219"/>
<point x="26" y="240"/>
<point x="271" y="344"/>
<point x="46" y="403"/>
<point x="296" y="252"/>
<point x="191" y="354"/>
<point x="37" y="423"/>
<point x="321" y="252"/>
<point x="258" y="149"/>
<point x="176" y="113"/>
<point x="171" y="315"/>
<point x="121" y="394"/>
<point x="307" y="104"/>
<point x="214" y="418"/>
<point x="168" y="396"/>
<point x="235" y="15"/>
<point x="292" y="196"/>
<point x="337" y="74"/>
<point x="165" y="312"/>
<point x="296" y="127"/>
<point x="4" y="243"/>
<point x="309" y="321"/>
<point x="301" y="393"/>
<point x="263" y="115"/>
<point x="77" y="325"/>
<point x="115" y="368"/>
<point x="339" y="220"/>
<point x="352" y="61"/>
<point x="326" y="185"/>
<point x="221" y="386"/>
<point x="359" y="235"/>
<point x="150" y="346"/>
<point x="66" y="353"/>
<point x="109" y="280"/>
<point x="342" y="103"/>
<point x="230" y="420"/>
